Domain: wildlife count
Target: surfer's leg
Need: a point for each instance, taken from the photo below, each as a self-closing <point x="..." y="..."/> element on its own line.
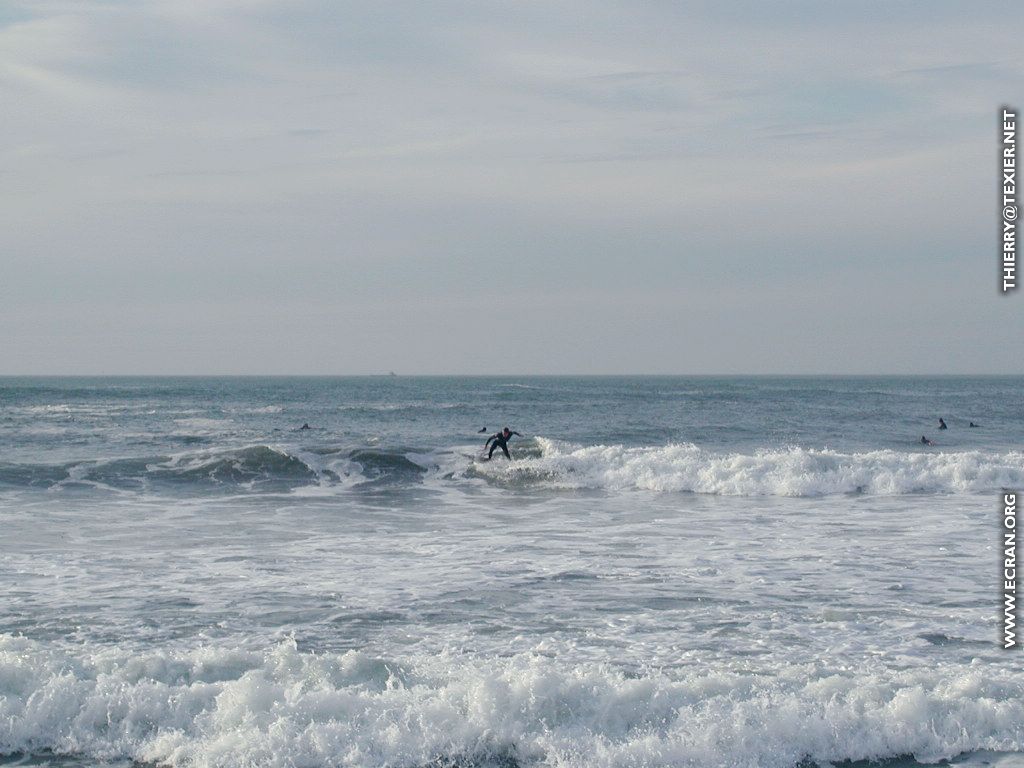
<point x="489" y="455"/>
<point x="507" y="455"/>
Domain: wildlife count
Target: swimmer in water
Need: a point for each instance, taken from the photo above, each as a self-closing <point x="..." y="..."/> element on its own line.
<point x="942" y="424"/>
<point x="926" y="441"/>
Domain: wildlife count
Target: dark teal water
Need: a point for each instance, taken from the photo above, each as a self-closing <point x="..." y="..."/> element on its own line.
<point x="52" y="422"/>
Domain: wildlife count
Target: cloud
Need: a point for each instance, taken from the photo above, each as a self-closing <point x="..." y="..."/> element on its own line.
<point x="189" y="151"/>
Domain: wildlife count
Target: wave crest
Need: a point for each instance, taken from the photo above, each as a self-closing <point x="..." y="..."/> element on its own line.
<point x="785" y="472"/>
<point x="255" y="468"/>
<point x="255" y="463"/>
<point x="543" y="463"/>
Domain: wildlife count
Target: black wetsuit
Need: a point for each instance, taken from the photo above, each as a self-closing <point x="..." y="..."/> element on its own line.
<point x="500" y="441"/>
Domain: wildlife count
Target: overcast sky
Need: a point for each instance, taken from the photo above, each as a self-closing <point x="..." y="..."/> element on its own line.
<point x="223" y="186"/>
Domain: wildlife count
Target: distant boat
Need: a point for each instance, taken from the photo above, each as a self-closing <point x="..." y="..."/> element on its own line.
<point x="392" y="373"/>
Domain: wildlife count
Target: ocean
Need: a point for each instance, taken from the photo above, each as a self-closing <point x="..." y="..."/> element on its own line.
<point x="673" y="571"/>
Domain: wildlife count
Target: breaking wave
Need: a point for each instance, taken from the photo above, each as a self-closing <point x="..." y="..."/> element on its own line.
<point x="786" y="472"/>
<point x="542" y="463"/>
<point x="256" y="468"/>
<point x="284" y="707"/>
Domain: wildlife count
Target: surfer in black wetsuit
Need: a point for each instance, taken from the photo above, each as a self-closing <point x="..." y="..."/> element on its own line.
<point x="942" y="424"/>
<point x="500" y="440"/>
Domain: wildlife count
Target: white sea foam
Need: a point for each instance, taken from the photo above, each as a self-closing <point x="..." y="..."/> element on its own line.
<point x="784" y="472"/>
<point x="332" y="470"/>
<point x="400" y="406"/>
<point x="283" y="707"/>
<point x="91" y="409"/>
<point x="199" y="423"/>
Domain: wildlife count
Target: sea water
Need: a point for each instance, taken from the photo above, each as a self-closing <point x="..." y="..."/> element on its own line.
<point x="672" y="571"/>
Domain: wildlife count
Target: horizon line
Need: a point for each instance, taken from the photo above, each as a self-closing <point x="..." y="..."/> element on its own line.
<point x="390" y="375"/>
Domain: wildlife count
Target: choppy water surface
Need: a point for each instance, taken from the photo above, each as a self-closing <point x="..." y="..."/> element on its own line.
<point x="674" y="571"/>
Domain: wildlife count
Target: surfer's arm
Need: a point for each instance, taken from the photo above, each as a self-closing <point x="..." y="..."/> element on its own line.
<point x="515" y="433"/>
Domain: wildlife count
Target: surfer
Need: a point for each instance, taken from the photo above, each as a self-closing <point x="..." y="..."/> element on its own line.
<point x="481" y="431"/>
<point x="942" y="424"/>
<point x="972" y="424"/>
<point x="305" y="426"/>
<point x="926" y="441"/>
<point x="500" y="440"/>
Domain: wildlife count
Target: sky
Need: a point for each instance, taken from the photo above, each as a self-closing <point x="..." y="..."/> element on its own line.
<point x="325" y="187"/>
